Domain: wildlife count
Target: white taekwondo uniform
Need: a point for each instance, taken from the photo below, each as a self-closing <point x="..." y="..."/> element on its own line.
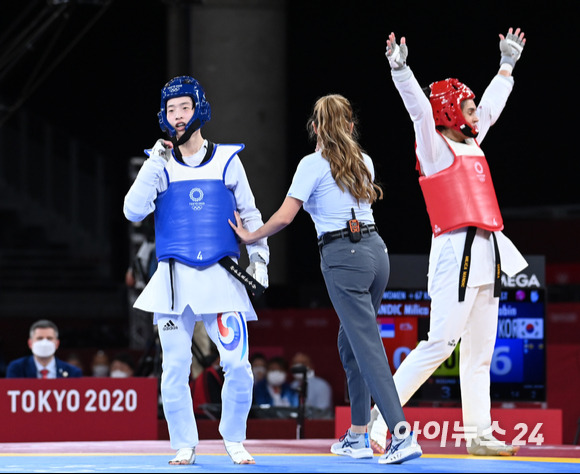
<point x="186" y="294"/>
<point x="473" y="321"/>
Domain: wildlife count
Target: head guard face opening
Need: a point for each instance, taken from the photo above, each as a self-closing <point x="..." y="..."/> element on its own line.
<point x="446" y="98"/>
<point x="179" y="87"/>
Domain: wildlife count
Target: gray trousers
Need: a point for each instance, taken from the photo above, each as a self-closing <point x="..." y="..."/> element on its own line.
<point x="356" y="275"/>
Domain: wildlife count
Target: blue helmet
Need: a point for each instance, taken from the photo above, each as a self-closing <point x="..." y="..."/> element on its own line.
<point x="184" y="86"/>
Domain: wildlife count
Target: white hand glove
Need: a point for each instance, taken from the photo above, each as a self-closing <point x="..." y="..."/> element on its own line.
<point x="161" y="150"/>
<point x="258" y="269"/>
<point x="397" y="55"/>
<point x="511" y="47"/>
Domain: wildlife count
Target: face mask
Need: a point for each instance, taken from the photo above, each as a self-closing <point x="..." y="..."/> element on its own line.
<point x="100" y="370"/>
<point x="119" y="374"/>
<point x="43" y="348"/>
<point x="276" y="378"/>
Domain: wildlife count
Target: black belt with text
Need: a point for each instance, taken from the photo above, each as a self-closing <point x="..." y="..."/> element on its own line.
<point x="466" y="265"/>
<point x="238" y="272"/>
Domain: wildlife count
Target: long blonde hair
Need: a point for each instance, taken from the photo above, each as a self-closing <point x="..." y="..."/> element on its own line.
<point x="334" y="126"/>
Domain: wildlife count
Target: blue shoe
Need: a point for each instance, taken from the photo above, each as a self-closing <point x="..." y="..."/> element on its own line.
<point x="401" y="450"/>
<point x="355" y="446"/>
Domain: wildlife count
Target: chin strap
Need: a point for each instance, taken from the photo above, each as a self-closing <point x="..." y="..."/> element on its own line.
<point x="468" y="131"/>
<point x="184" y="138"/>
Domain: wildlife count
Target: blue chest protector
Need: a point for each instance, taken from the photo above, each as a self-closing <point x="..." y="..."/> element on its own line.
<point x="191" y="216"/>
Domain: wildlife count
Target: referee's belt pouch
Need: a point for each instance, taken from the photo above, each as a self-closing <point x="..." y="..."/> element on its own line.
<point x="353" y="228"/>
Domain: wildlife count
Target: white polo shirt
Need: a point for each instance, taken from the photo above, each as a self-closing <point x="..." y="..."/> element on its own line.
<point x="329" y="207"/>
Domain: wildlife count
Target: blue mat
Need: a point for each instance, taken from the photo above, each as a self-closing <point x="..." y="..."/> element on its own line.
<point x="276" y="463"/>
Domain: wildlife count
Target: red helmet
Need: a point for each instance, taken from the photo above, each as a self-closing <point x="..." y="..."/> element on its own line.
<point x="446" y="97"/>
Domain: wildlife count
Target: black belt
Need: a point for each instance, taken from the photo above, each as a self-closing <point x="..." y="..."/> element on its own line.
<point x="232" y="267"/>
<point x="238" y="272"/>
<point x="343" y="233"/>
<point x="466" y="265"/>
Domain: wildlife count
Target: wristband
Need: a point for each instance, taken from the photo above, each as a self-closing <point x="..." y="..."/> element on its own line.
<point x="506" y="67"/>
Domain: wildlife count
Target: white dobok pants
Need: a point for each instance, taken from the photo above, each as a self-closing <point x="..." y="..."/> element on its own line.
<point x="230" y="334"/>
<point x="474" y="322"/>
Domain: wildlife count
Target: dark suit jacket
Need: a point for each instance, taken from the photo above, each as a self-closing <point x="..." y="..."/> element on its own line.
<point x="262" y="394"/>
<point x="26" y="368"/>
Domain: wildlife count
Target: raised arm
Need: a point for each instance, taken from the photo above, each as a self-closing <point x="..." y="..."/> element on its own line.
<point x="415" y="100"/>
<point x="494" y="99"/>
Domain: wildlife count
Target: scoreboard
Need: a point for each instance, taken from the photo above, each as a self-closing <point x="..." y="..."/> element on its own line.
<point x="518" y="367"/>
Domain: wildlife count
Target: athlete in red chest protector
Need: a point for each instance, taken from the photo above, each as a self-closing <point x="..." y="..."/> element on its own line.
<point x="468" y="250"/>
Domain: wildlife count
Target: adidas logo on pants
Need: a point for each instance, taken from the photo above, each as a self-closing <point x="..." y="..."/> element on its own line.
<point x="170" y="326"/>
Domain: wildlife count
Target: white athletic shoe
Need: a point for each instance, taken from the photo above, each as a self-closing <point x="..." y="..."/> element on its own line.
<point x="354" y="446"/>
<point x="183" y="457"/>
<point x="401" y="450"/>
<point x="488" y="445"/>
<point x="377" y="429"/>
<point x="238" y="453"/>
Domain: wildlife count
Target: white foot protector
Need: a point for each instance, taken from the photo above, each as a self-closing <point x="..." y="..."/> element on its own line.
<point x="238" y="453"/>
<point x="184" y="457"/>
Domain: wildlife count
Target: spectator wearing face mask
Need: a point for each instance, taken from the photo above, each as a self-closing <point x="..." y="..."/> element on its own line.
<point x="274" y="390"/>
<point x="43" y="341"/>
<point x="318" y="390"/>
<point x="259" y="366"/>
<point x="100" y="364"/>
<point x="122" y="366"/>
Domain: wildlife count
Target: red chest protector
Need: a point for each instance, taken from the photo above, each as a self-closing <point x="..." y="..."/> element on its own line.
<point x="462" y="195"/>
